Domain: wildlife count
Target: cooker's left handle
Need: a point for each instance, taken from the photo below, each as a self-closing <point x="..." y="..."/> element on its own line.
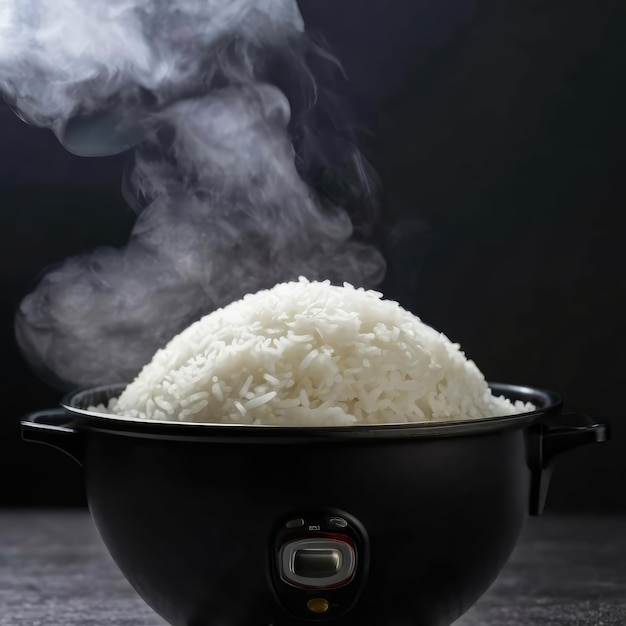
<point x="51" y="427"/>
<point x="547" y="440"/>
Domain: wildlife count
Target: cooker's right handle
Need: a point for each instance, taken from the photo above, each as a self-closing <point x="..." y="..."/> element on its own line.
<point x="51" y="427"/>
<point x="547" y="440"/>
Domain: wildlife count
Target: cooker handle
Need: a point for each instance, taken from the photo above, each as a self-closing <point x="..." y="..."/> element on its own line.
<point x="51" y="427"/>
<point x="547" y="440"/>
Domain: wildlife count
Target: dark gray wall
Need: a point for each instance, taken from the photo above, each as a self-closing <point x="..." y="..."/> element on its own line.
<point x="498" y="130"/>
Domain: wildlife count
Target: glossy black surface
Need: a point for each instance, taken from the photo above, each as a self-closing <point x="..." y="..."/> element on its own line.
<point x="190" y="520"/>
<point x="190" y="524"/>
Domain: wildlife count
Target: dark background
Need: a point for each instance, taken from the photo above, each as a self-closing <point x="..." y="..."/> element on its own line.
<point x="498" y="131"/>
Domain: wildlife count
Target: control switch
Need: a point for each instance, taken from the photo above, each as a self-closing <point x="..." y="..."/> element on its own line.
<point x="318" y="563"/>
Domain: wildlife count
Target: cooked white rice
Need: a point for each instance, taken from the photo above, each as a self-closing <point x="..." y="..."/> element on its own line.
<point x="309" y="353"/>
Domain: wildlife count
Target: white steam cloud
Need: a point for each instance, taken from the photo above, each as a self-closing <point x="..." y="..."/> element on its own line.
<point x="213" y="95"/>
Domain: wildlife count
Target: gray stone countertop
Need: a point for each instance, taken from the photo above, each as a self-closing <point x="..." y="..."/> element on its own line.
<point x="55" y="571"/>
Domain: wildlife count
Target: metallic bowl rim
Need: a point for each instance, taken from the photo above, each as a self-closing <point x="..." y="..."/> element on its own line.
<point x="116" y="424"/>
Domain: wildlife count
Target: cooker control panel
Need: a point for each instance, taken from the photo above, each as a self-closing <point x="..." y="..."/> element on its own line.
<point x="319" y="564"/>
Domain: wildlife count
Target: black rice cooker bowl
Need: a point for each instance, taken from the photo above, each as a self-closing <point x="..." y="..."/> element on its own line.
<point x="389" y="525"/>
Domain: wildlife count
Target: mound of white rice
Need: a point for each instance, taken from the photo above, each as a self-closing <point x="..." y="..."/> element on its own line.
<point x="309" y="353"/>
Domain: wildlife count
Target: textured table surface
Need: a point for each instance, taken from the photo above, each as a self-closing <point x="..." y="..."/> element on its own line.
<point x="54" y="571"/>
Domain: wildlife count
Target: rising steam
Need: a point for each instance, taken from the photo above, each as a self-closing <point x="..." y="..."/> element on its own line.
<point x="217" y="98"/>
